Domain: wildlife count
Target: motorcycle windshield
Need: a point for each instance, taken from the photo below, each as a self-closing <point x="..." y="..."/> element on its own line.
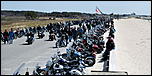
<point x="22" y="69"/>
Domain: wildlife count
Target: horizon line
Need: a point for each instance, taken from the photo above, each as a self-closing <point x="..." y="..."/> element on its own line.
<point x="67" y="11"/>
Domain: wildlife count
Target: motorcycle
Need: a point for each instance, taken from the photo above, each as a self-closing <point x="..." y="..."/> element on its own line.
<point x="88" y="58"/>
<point x="30" y="40"/>
<point x="61" y="43"/>
<point x="41" y="35"/>
<point x="72" y="67"/>
<point x="20" y="35"/>
<point x="52" y="37"/>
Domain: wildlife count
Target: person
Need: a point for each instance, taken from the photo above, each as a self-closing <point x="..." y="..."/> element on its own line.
<point x="22" y="32"/>
<point x="84" y="28"/>
<point x="112" y="31"/>
<point x="112" y="22"/>
<point x="39" y="30"/>
<point x="26" y="31"/>
<point x="74" y="33"/>
<point x="52" y="35"/>
<point x="80" y="32"/>
<point x="34" y="30"/>
<point x="101" y="43"/>
<point x="66" y="38"/>
<point x="88" y="26"/>
<point x="5" y="35"/>
<point x="11" y="36"/>
<point x="2" y="37"/>
<point x="17" y="33"/>
<point x="110" y="45"/>
<point x="70" y="34"/>
<point x="30" y="29"/>
<point x="63" y="40"/>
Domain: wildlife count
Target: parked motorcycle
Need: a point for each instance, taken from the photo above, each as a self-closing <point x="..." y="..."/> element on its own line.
<point x="41" y="35"/>
<point x="30" y="40"/>
<point x="52" y="37"/>
<point x="61" y="43"/>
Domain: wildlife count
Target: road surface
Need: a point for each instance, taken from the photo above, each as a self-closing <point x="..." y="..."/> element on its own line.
<point x="13" y="55"/>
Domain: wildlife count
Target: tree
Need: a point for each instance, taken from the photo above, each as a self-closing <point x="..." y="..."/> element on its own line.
<point x="31" y="15"/>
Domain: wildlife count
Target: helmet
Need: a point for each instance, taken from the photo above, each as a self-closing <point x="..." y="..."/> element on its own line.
<point x="79" y="49"/>
<point x="95" y="46"/>
<point x="84" y="41"/>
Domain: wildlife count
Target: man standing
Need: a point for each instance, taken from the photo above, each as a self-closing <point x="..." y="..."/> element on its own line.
<point x="11" y="36"/>
<point x="5" y="34"/>
<point x="110" y="45"/>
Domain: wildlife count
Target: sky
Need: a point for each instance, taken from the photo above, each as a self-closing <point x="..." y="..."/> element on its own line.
<point x="107" y="7"/>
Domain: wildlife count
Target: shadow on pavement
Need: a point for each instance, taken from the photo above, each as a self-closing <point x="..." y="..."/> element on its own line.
<point x="53" y="47"/>
<point x="47" y="40"/>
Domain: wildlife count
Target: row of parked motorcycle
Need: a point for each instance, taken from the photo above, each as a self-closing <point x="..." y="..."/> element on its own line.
<point x="54" y="30"/>
<point x="80" y="55"/>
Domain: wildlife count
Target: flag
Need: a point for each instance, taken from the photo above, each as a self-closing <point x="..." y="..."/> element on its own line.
<point x="98" y="10"/>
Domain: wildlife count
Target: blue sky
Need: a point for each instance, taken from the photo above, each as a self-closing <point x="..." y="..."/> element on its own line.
<point x="116" y="7"/>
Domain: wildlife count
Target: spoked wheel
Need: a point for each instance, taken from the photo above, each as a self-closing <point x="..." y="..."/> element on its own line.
<point x="90" y="62"/>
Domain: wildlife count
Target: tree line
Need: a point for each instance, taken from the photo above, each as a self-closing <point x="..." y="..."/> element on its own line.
<point x="35" y="15"/>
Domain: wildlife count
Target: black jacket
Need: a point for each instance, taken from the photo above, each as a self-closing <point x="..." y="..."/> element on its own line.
<point x="110" y="45"/>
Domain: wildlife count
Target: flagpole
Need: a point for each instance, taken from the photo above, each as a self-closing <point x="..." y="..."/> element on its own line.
<point x="96" y="11"/>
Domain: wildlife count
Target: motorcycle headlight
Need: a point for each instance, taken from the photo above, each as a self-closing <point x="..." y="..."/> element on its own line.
<point x="57" y="70"/>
